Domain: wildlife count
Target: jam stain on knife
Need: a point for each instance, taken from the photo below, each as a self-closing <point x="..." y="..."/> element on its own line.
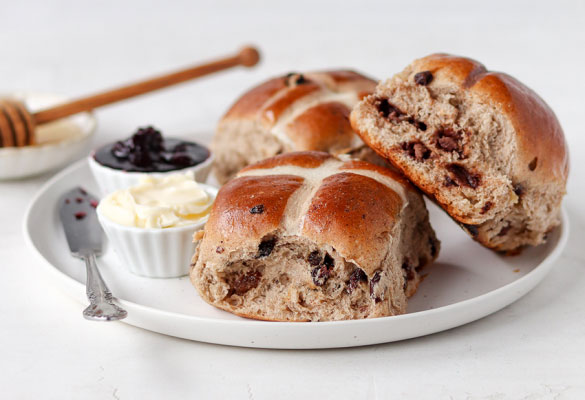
<point x="80" y="215"/>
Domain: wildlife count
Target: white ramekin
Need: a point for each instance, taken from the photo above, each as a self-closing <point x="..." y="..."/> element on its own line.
<point x="154" y="252"/>
<point x="109" y="179"/>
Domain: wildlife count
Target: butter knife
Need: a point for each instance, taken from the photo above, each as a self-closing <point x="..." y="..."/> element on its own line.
<point x="85" y="236"/>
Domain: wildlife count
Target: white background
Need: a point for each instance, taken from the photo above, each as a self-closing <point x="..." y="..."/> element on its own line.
<point x="531" y="350"/>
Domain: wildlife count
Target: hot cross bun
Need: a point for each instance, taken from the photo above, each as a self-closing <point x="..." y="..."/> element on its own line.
<point x="306" y="236"/>
<point x="488" y="149"/>
<point x="294" y="112"/>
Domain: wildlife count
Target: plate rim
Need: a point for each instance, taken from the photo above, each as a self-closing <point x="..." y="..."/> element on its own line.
<point x="538" y="273"/>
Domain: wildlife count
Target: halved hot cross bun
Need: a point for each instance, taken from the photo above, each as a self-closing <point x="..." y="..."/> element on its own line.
<point x="294" y="112"/>
<point x="306" y="236"/>
<point x="484" y="146"/>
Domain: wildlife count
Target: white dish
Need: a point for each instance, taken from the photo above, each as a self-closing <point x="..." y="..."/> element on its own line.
<point x="467" y="282"/>
<point x="109" y="179"/>
<point x="59" y="142"/>
<point x="155" y="252"/>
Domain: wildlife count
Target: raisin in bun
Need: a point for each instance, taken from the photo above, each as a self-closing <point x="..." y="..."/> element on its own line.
<point x="294" y="112"/>
<point x="484" y="146"/>
<point x="306" y="236"/>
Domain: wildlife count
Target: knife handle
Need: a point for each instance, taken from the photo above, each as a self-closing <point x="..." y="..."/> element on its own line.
<point x="101" y="307"/>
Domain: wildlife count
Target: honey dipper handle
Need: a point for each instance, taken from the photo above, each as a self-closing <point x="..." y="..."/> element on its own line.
<point x="248" y="56"/>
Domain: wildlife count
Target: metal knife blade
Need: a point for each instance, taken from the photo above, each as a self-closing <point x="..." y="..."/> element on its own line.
<point x="77" y="209"/>
<point x="79" y="218"/>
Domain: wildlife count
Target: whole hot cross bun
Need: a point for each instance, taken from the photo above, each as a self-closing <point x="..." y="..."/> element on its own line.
<point x="294" y="112"/>
<point x="306" y="236"/>
<point x="488" y="149"/>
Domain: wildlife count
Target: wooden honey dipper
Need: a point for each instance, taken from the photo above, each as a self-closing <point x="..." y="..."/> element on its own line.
<point x="17" y="124"/>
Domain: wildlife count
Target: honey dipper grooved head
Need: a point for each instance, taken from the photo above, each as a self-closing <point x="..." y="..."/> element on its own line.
<point x="17" y="126"/>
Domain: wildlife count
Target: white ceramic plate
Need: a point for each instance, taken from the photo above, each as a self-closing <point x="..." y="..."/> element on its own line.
<point x="467" y="282"/>
<point x="59" y="142"/>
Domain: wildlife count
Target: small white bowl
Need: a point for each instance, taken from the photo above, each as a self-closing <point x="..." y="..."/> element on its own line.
<point x="109" y="179"/>
<point x="155" y="252"/>
<point x="51" y="152"/>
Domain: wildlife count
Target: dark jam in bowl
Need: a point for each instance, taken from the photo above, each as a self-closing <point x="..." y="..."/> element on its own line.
<point x="147" y="151"/>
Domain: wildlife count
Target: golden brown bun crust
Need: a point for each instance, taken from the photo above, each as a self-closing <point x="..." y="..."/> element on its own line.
<point x="236" y="201"/>
<point x="351" y="212"/>
<point x="539" y="132"/>
<point x="292" y="112"/>
<point x="303" y="159"/>
<point x="320" y="99"/>
<point x="331" y="120"/>
<point x="390" y="173"/>
<point x="251" y="102"/>
<point x="346" y="210"/>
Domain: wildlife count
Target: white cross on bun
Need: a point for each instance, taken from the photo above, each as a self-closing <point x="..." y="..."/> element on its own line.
<point x="307" y="236"/>
<point x="481" y="144"/>
<point x="293" y="112"/>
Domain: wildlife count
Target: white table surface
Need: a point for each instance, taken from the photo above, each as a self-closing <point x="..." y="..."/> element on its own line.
<point x="533" y="349"/>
